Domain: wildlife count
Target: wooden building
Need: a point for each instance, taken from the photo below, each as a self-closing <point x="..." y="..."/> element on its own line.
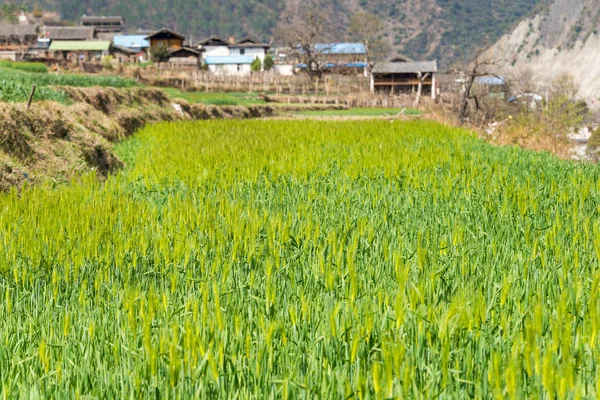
<point x="104" y="24"/>
<point x="185" y="57"/>
<point x="123" y="55"/>
<point x="165" y="37"/>
<point x="18" y="35"/>
<point x="15" y="40"/>
<point x="401" y="76"/>
<point x="68" y="33"/>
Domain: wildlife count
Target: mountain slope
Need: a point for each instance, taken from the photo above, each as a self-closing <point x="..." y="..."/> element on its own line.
<point x="445" y="29"/>
<point x="564" y="38"/>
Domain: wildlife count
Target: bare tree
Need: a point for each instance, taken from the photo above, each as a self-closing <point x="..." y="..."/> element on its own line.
<point x="481" y="66"/>
<point x="421" y="77"/>
<point x="564" y="85"/>
<point x="366" y="28"/>
<point x="301" y="29"/>
<point x="524" y="81"/>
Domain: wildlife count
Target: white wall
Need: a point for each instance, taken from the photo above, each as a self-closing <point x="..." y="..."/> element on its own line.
<point x="284" y="69"/>
<point x="9" y="55"/>
<point x="215" y="51"/>
<point x="231" y="69"/>
<point x="253" y="52"/>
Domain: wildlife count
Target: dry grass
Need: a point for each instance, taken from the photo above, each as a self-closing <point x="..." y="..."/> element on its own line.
<point x="50" y="141"/>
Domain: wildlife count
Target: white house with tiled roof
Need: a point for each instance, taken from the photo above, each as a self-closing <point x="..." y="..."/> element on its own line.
<point x="232" y="58"/>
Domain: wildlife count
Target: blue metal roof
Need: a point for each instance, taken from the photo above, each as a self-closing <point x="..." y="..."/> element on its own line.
<point x="340" y="48"/>
<point x="490" y="80"/>
<point x="357" y="65"/>
<point x="135" y="42"/>
<point x="215" y="60"/>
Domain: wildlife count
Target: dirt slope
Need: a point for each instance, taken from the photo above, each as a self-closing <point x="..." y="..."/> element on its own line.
<point x="563" y="38"/>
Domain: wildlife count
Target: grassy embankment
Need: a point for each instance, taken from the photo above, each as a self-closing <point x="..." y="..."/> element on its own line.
<point x="16" y="81"/>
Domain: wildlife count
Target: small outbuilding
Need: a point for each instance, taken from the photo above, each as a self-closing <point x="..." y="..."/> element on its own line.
<point x="402" y="76"/>
<point x="185" y="57"/>
<point x="123" y="55"/>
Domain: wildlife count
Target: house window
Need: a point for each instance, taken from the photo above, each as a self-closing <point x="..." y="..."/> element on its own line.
<point x="239" y="67"/>
<point x="242" y="52"/>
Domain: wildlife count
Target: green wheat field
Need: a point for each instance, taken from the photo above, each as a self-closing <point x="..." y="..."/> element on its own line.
<point x="305" y="259"/>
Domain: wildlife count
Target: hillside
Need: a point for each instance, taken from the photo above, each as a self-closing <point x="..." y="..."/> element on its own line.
<point x="444" y="29"/>
<point x="562" y="38"/>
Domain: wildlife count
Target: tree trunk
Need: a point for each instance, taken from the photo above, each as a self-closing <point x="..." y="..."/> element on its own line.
<point x="465" y="100"/>
<point x="421" y="78"/>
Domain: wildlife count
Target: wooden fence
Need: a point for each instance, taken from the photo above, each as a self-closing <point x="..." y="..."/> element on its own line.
<point x="263" y="83"/>
<point x="351" y="100"/>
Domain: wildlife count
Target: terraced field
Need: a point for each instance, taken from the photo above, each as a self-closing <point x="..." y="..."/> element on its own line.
<point x="285" y="259"/>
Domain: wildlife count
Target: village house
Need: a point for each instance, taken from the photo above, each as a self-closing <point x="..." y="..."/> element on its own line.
<point x="134" y="42"/>
<point x="53" y="33"/>
<point x="49" y="34"/>
<point x="250" y="47"/>
<point x="167" y="38"/>
<point x="106" y="27"/>
<point x="229" y="65"/>
<point x="104" y="24"/>
<point x="15" y="40"/>
<point x="347" y="58"/>
<point x="214" y="46"/>
<point x="179" y="54"/>
<point x="77" y="50"/>
<point x="232" y="58"/>
<point x="342" y="55"/>
<point x="401" y="76"/>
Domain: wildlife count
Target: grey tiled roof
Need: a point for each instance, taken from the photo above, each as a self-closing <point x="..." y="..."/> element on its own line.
<point x="100" y="19"/>
<point x="405" y="67"/>
<point x="213" y="41"/>
<point x="17" y="30"/>
<point x="69" y="33"/>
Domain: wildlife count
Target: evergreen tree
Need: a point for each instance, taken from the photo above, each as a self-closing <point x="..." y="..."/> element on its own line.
<point x="269" y="62"/>
<point x="256" y="65"/>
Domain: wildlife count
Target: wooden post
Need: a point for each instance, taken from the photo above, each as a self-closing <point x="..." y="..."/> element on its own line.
<point x="31" y="97"/>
